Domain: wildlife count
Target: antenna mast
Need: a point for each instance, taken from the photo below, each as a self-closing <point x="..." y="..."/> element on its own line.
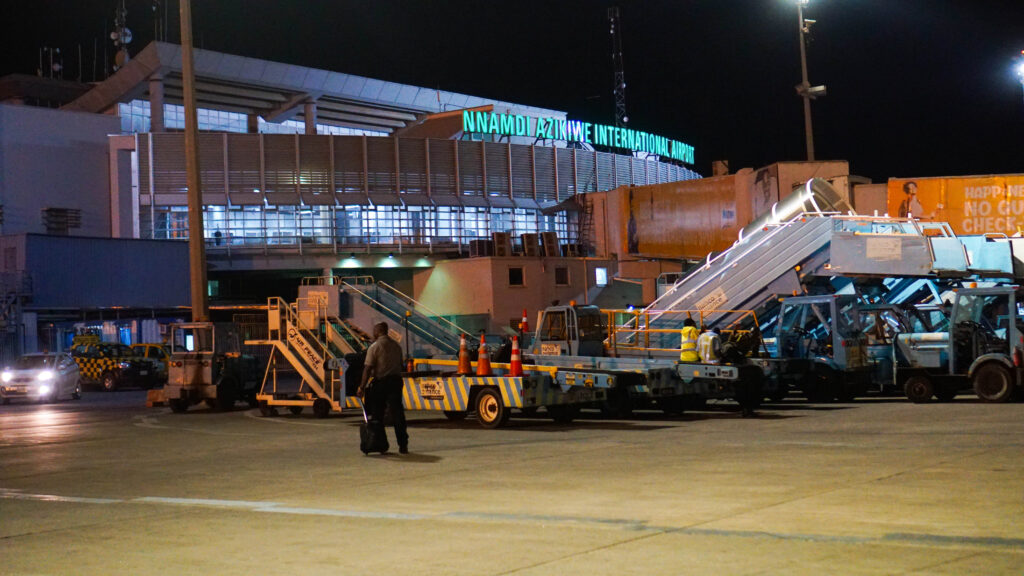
<point x="620" y="74"/>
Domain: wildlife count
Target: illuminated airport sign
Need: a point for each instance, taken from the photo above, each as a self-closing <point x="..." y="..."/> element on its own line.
<point x="476" y="122"/>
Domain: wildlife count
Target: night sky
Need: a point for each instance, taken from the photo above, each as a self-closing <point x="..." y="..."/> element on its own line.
<point x="915" y="87"/>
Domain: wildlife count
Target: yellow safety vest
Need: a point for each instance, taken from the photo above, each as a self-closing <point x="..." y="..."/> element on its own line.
<point x="708" y="345"/>
<point x="688" y="344"/>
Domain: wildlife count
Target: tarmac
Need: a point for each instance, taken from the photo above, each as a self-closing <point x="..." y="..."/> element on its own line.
<point x="106" y="486"/>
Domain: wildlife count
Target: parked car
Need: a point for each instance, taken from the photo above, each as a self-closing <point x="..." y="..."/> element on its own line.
<point x="113" y="366"/>
<point x="158" y="355"/>
<point x="41" y="378"/>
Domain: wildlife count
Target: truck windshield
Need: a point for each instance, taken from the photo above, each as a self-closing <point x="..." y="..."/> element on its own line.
<point x="592" y="327"/>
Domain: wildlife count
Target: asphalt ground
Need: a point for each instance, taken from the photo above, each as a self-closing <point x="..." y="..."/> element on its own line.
<point x="106" y="486"/>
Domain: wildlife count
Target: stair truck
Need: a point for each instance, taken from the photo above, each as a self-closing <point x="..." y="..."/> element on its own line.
<point x="576" y="337"/>
<point x="203" y="367"/>
<point x="982" y="349"/>
<point x="314" y="365"/>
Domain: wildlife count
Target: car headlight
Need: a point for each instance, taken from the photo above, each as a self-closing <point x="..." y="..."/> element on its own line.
<point x="44" y="390"/>
<point x="6" y="376"/>
<point x="45" y="375"/>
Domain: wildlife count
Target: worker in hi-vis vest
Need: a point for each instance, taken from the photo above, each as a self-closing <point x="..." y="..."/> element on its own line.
<point x="709" y="346"/>
<point x="688" y="341"/>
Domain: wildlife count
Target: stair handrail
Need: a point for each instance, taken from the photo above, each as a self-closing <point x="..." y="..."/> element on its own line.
<point x="396" y="314"/>
<point x="422" y="308"/>
<point x="775" y="229"/>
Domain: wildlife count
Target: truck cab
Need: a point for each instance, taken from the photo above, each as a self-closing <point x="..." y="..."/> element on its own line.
<point x="822" y="347"/>
<point x="571" y="331"/>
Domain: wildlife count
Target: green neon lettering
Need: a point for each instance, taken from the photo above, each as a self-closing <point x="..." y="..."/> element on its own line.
<point x="467" y="121"/>
<point x="560" y="133"/>
<point x="495" y="124"/>
<point x="482" y="121"/>
<point x="586" y="132"/>
<point x="507" y="124"/>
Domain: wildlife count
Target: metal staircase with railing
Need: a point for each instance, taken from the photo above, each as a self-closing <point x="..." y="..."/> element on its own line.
<point x="402" y="309"/>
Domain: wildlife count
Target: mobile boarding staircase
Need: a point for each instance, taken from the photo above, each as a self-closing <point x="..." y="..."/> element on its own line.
<point x="812" y="234"/>
<point x="307" y="365"/>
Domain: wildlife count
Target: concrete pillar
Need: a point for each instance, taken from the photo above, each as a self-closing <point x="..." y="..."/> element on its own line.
<point x="156" y="103"/>
<point x="309" y="111"/>
<point x="253" y="124"/>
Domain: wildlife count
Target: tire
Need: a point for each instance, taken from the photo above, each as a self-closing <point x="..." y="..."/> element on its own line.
<point x="919" y="389"/>
<point x="321" y="408"/>
<point x="77" y="394"/>
<point x="490" y="410"/>
<point x="178" y="406"/>
<point x="563" y="413"/>
<point x="267" y="410"/>
<point x="993" y="383"/>
<point x="296" y="410"/>
<point x="109" y="381"/>
<point x="455" y="415"/>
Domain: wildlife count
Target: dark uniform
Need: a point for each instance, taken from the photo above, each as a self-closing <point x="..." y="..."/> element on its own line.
<point x="385" y="356"/>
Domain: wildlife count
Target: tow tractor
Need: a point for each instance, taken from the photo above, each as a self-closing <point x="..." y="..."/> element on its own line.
<point x="201" y="369"/>
<point x="577" y="337"/>
<point x="982" y="349"/>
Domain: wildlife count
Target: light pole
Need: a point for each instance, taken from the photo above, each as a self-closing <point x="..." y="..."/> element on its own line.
<point x="1020" y="71"/>
<point x="804" y="89"/>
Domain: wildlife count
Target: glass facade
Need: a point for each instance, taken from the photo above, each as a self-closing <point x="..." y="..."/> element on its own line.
<point x="422" y="227"/>
<point x="135" y="119"/>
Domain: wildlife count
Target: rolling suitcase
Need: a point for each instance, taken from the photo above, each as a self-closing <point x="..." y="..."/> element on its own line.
<point x="372" y="437"/>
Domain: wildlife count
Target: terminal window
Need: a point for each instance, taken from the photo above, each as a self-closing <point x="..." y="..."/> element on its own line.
<point x="561" y="276"/>
<point x="515" y="276"/>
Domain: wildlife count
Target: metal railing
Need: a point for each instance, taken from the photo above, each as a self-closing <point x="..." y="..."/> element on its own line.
<point x="634" y="329"/>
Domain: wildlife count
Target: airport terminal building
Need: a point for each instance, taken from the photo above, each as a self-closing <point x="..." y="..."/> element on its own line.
<point x="304" y="172"/>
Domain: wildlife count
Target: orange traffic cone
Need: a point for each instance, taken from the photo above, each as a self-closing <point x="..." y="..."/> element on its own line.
<point x="524" y="326"/>
<point x="515" y="367"/>
<point x="483" y="360"/>
<point x="464" y="365"/>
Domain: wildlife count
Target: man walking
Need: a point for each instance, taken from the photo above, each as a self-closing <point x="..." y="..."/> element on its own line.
<point x="384" y="365"/>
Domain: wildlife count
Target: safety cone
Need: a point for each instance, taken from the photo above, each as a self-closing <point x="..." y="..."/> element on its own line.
<point x="515" y="367"/>
<point x="483" y="360"/>
<point x="464" y="365"/>
<point x="524" y="326"/>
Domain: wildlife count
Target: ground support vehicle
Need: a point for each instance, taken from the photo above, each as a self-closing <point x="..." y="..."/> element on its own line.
<point x="113" y="366"/>
<point x="434" y="385"/>
<point x="202" y="369"/>
<point x="821" y="349"/>
<point x="40" y="378"/>
<point x="316" y="358"/>
<point x="982" y="349"/>
<point x="576" y="337"/>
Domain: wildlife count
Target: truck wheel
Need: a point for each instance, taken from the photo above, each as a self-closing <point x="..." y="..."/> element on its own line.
<point x="820" y="386"/>
<point x="296" y="410"/>
<point x="267" y="410"/>
<point x="490" y="411"/>
<point x="455" y="415"/>
<point x="919" y="389"/>
<point x="618" y="404"/>
<point x="321" y="408"/>
<point x="563" y="413"/>
<point x="109" y="381"/>
<point x="178" y="406"/>
<point x="993" y="383"/>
